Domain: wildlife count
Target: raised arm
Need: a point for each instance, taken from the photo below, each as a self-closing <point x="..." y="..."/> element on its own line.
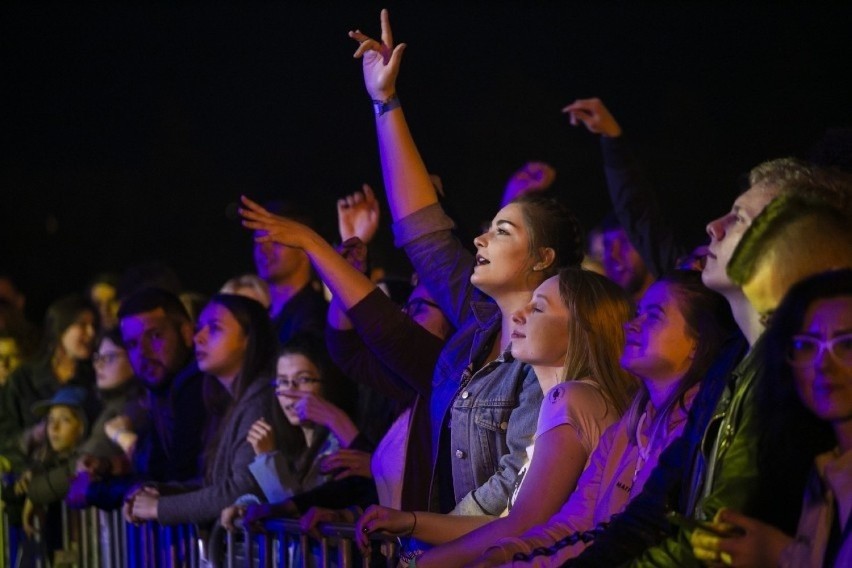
<point x="346" y="284"/>
<point x="407" y="182"/>
<point x="635" y="204"/>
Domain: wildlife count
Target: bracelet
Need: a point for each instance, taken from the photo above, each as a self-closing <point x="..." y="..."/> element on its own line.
<point x="413" y="526"/>
<point x="381" y="107"/>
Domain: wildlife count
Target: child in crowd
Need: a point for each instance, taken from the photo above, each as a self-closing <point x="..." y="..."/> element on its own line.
<point x="46" y="481"/>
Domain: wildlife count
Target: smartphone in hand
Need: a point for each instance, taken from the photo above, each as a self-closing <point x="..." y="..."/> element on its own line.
<point x="691" y="524"/>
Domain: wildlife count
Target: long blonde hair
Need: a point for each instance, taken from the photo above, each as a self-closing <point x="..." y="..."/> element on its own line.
<point x="598" y="310"/>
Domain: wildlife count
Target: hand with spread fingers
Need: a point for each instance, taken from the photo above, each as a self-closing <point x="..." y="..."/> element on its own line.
<point x="261" y="436"/>
<point x="594" y="116"/>
<point x="347" y="463"/>
<point x="274" y="228"/>
<point x="759" y="545"/>
<point x="358" y="215"/>
<point x="381" y="60"/>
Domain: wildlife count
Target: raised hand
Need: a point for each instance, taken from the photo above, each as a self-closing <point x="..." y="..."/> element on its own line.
<point x="358" y="215"/>
<point x="377" y="518"/>
<point x="273" y="228"/>
<point x="346" y="463"/>
<point x="594" y="116"/>
<point x="380" y="60"/>
<point x="534" y="176"/>
<point x="261" y="437"/>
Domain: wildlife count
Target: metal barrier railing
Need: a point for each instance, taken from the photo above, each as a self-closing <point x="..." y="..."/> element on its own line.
<point x="92" y="538"/>
<point x="282" y="542"/>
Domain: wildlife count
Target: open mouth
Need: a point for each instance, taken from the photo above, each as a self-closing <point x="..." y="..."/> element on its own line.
<point x="480" y="260"/>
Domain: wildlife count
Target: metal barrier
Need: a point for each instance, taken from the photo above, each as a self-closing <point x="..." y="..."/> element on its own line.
<point x="282" y="542"/>
<point x="103" y="539"/>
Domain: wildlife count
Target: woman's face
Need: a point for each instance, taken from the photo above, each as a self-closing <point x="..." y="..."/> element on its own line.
<point x="64" y="429"/>
<point x="825" y="384"/>
<point x="112" y="367"/>
<point x="78" y="338"/>
<point x="295" y="373"/>
<point x="540" y="329"/>
<point x="103" y="296"/>
<point x="220" y="343"/>
<point x="658" y="345"/>
<point x="503" y="259"/>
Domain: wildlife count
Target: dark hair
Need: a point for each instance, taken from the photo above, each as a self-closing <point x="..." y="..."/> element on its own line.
<point x="113" y="335"/>
<point x="551" y="223"/>
<point x="59" y="317"/>
<point x="334" y="388"/>
<point x="257" y="363"/>
<point x="150" y="299"/>
<point x="791" y="436"/>
<point x="709" y="322"/>
<point x="152" y="274"/>
<point x="291" y="210"/>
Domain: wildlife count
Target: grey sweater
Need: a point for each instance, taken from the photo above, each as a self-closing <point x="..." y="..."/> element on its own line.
<point x="229" y="470"/>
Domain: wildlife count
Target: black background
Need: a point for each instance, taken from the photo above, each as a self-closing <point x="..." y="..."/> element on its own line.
<point x="130" y="130"/>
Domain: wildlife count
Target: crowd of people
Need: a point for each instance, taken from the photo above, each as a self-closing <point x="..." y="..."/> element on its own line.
<point x="532" y="400"/>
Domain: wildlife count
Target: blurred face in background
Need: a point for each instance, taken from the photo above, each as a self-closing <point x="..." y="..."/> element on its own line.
<point x="112" y="366"/>
<point x="77" y="341"/>
<point x="10" y="357"/>
<point x="103" y="296"/>
<point x="622" y="263"/>
<point x="64" y="428"/>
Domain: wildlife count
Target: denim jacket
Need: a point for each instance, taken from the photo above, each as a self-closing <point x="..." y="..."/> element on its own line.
<point x="492" y="410"/>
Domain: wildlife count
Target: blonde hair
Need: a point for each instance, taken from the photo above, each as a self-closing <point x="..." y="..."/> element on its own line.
<point x="598" y="310"/>
<point x="259" y="288"/>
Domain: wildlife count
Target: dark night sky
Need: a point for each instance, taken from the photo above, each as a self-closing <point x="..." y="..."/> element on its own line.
<point x="130" y="129"/>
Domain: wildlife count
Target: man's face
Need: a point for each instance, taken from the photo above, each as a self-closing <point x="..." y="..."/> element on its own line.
<point x="157" y="345"/>
<point x="622" y="263"/>
<point x="726" y="232"/>
<point x="276" y="262"/>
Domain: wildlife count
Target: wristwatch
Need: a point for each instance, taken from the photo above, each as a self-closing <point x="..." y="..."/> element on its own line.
<point x="381" y="107"/>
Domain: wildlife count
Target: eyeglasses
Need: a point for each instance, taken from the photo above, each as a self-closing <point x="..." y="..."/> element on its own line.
<point x="803" y="350"/>
<point x="294" y="383"/>
<point x="106" y="358"/>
